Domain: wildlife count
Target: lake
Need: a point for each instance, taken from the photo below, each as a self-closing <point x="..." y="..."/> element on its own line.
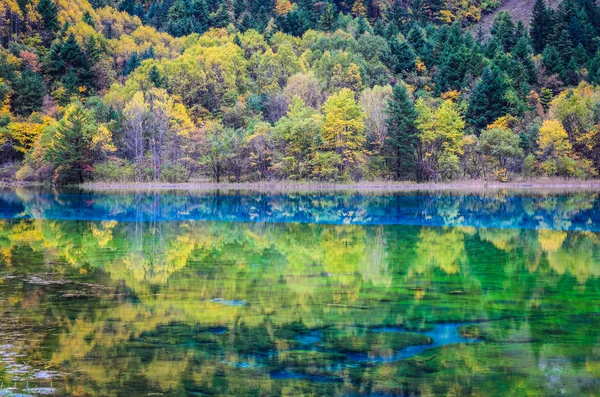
<point x="241" y="293"/>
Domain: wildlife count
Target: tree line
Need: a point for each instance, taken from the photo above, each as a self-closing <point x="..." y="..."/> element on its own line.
<point x="273" y="90"/>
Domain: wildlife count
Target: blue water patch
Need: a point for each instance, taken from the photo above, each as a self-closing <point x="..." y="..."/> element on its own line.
<point x="504" y="211"/>
<point x="285" y="374"/>
<point x="442" y="335"/>
<point x="309" y="339"/>
<point x="227" y="302"/>
<point x="218" y="330"/>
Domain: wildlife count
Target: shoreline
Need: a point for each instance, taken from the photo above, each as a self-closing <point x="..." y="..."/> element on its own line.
<point x="381" y="186"/>
<point x="361" y="186"/>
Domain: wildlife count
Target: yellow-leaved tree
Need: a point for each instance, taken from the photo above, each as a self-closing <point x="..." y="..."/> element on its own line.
<point x="556" y="153"/>
<point x="343" y="129"/>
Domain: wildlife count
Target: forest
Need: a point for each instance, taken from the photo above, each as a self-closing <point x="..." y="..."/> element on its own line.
<point x="306" y="90"/>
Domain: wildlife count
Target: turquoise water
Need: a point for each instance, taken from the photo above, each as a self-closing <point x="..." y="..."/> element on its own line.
<point x="309" y="293"/>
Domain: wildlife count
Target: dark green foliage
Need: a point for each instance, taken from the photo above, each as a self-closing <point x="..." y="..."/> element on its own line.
<point x="132" y="63"/>
<point x="199" y="12"/>
<point x="402" y="137"/>
<point x="503" y="31"/>
<point x="155" y="77"/>
<point x="49" y="14"/>
<point x="522" y="53"/>
<point x="71" y="149"/>
<point x="594" y="70"/>
<point x="29" y="94"/>
<point x="179" y="20"/>
<point x="87" y="18"/>
<point x="552" y="60"/>
<point x="403" y="56"/>
<point x="488" y="102"/>
<point x="540" y="26"/>
<point x="221" y="18"/>
<point x="328" y="17"/>
<point x="66" y="60"/>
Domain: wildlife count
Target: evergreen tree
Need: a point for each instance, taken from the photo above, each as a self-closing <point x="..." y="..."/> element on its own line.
<point x="488" y="102"/>
<point x="552" y="60"/>
<point x="503" y="30"/>
<point x="67" y="58"/>
<point x="70" y="151"/>
<point x="403" y="56"/>
<point x="179" y="20"/>
<point x="155" y="77"/>
<point x="87" y="18"/>
<point x="221" y="19"/>
<point x="328" y="17"/>
<point x="199" y="12"/>
<point x="132" y="63"/>
<point x="593" y="76"/>
<point x="402" y="136"/>
<point x="49" y="14"/>
<point x="451" y="70"/>
<point x="523" y="54"/>
<point x="239" y="7"/>
<point x="540" y="26"/>
<point x="29" y="92"/>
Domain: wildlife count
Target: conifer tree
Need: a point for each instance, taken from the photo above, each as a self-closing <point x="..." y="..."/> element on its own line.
<point x="402" y="137"/>
<point x="49" y="13"/>
<point x="327" y="19"/>
<point x="540" y="26"/>
<point x="70" y="150"/>
<point x="199" y="11"/>
<point x="488" y="102"/>
<point x="29" y="93"/>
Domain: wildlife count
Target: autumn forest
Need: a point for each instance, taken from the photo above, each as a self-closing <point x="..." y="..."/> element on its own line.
<point x="305" y="90"/>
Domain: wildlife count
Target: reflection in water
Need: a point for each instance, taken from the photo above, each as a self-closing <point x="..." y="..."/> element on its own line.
<point x="575" y="211"/>
<point x="112" y="307"/>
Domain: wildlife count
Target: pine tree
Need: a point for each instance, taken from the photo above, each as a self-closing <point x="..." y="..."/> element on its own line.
<point x="221" y="19"/>
<point x="403" y="56"/>
<point x="503" y="30"/>
<point x="402" y="137"/>
<point x="239" y="7"/>
<point x="327" y="19"/>
<point x="540" y="26"/>
<point x="552" y="60"/>
<point x="132" y="63"/>
<point x="523" y="54"/>
<point x="199" y="11"/>
<point x="87" y="18"/>
<point x="29" y="93"/>
<point x="70" y="151"/>
<point x="594" y="70"/>
<point x="488" y="102"/>
<point x="49" y="13"/>
<point x="155" y="77"/>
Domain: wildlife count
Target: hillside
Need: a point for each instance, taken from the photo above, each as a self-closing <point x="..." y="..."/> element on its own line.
<point x="519" y="10"/>
<point x="254" y="90"/>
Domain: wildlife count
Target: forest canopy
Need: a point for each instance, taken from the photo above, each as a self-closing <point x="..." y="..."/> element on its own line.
<point x="249" y="90"/>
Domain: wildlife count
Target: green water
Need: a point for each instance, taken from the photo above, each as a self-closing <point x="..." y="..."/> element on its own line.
<point x="161" y="307"/>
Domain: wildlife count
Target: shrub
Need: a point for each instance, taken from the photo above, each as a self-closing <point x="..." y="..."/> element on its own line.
<point x="114" y="170"/>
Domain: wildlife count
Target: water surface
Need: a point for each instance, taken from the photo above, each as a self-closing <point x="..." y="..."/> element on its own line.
<point x="256" y="294"/>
